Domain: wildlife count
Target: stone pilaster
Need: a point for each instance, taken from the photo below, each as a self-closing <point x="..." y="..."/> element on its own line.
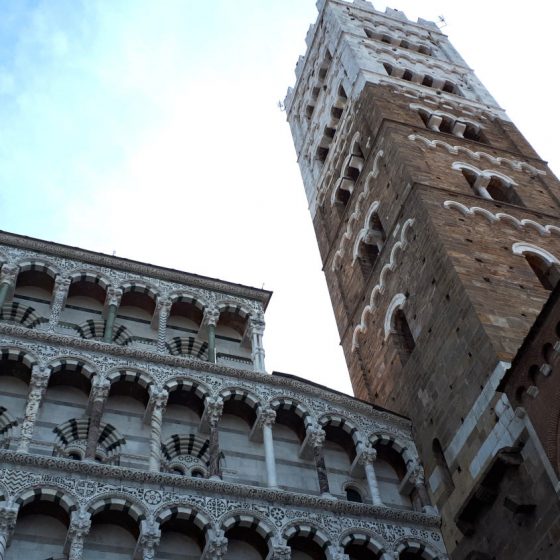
<point x="37" y="386"/>
<point x="148" y="540"/>
<point x="60" y="293"/>
<point x="256" y="330"/>
<point x="158" y="401"/>
<point x="213" y="413"/>
<point x="209" y="323"/>
<point x="97" y="399"/>
<point x="368" y="456"/>
<point x="216" y="546"/>
<point x="80" y="524"/>
<point x="8" y="517"/>
<point x="112" y="303"/>
<point x="8" y="277"/>
<point x="267" y="418"/>
<point x="162" y="312"/>
<point x="317" y="440"/>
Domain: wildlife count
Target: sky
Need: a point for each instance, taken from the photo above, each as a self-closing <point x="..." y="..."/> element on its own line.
<point x="152" y="129"/>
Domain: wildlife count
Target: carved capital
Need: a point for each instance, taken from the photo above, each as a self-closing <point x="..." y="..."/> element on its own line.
<point x="39" y="378"/>
<point x="316" y="435"/>
<point x="61" y="284"/>
<point x="8" y="516"/>
<point x="267" y="417"/>
<point x="158" y="397"/>
<point x="216" y="546"/>
<point x="149" y="538"/>
<point x="211" y="316"/>
<point x="163" y="307"/>
<point x="213" y="410"/>
<point x="100" y="387"/>
<point x="417" y="475"/>
<point x="256" y="324"/>
<point x="368" y="455"/>
<point x="281" y="552"/>
<point x="113" y="297"/>
<point x="80" y="524"/>
<point x="8" y="274"/>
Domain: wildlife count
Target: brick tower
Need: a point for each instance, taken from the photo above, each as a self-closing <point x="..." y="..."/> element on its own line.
<point x="439" y="231"/>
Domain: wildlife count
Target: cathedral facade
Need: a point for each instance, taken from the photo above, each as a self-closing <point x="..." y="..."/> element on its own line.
<point x="137" y="420"/>
<point x="439" y="232"/>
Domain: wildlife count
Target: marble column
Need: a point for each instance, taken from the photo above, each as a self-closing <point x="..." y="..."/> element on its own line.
<point x="37" y="387"/>
<point x="148" y="541"/>
<point x="256" y="329"/>
<point x="216" y="545"/>
<point x="112" y="303"/>
<point x="317" y="439"/>
<point x="368" y="456"/>
<point x="8" y="517"/>
<point x="60" y="293"/>
<point x="417" y="480"/>
<point x="158" y="400"/>
<point x="80" y="523"/>
<point x="213" y="413"/>
<point x="267" y="419"/>
<point x="8" y="276"/>
<point x="209" y="322"/>
<point x="97" y="399"/>
<point x="480" y="187"/>
<point x="164" y="307"/>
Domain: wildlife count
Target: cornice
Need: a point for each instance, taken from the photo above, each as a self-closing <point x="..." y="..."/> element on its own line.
<point x="220" y="488"/>
<point x="346" y="401"/>
<point x="145" y="269"/>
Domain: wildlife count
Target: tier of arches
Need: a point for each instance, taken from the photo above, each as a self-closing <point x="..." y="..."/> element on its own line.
<point x="117" y="526"/>
<point x="67" y="409"/>
<point x="87" y="304"/>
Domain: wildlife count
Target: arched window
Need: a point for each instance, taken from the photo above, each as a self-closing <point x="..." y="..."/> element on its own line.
<point x="547" y="273"/>
<point x="545" y="265"/>
<point x="401" y="336"/>
<point x="370" y="244"/>
<point x="353" y="495"/>
<point x="491" y="186"/>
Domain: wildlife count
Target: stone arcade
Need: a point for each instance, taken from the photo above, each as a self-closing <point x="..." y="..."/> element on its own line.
<point x="439" y="231"/>
<point x="138" y="421"/>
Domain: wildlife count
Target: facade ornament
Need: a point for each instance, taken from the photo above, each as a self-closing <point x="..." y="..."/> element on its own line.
<point x="212" y="414"/>
<point x="316" y="435"/>
<point x="8" y="517"/>
<point x="162" y="313"/>
<point x="281" y="552"/>
<point x="368" y="455"/>
<point x="209" y="323"/>
<point x="150" y="535"/>
<point x="60" y="293"/>
<point x="256" y="330"/>
<point x="211" y="315"/>
<point x="158" y="401"/>
<point x="8" y="277"/>
<point x="213" y="410"/>
<point x="80" y="523"/>
<point x="113" y="297"/>
<point x="97" y="398"/>
<point x="216" y="546"/>
<point x="336" y="553"/>
<point x="37" y="386"/>
<point x="267" y="417"/>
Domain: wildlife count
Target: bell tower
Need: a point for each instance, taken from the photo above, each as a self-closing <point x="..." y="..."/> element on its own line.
<point x="439" y="231"/>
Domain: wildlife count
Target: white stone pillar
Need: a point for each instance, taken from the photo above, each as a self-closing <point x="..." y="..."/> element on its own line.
<point x="8" y="517"/>
<point x="112" y="302"/>
<point x="97" y="399"/>
<point x="8" y="277"/>
<point x="367" y="458"/>
<point x="80" y="524"/>
<point x="216" y="546"/>
<point x="158" y="400"/>
<point x="164" y="307"/>
<point x="459" y="129"/>
<point x="209" y="324"/>
<point x="37" y="387"/>
<point x="148" y="541"/>
<point x="267" y="418"/>
<point x="480" y="187"/>
<point x="256" y="328"/>
<point x="60" y="293"/>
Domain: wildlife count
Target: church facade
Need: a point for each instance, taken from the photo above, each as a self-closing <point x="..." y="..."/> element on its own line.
<point x="439" y="232"/>
<point x="137" y="420"/>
